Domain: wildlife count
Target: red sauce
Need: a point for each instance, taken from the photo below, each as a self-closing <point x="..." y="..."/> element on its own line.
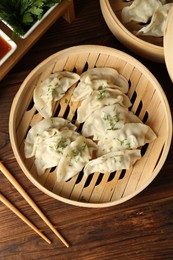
<point x="5" y="47"/>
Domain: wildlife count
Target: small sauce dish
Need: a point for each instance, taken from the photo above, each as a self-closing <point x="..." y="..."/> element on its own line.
<point x="7" y="47"/>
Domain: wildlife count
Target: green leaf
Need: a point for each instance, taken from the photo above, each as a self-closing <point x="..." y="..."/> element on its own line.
<point x="27" y="18"/>
<point x="22" y="14"/>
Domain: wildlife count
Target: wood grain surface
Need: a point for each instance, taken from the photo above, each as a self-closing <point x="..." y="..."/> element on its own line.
<point x="141" y="228"/>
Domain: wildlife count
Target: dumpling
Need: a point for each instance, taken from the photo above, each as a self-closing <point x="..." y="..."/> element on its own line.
<point x="107" y="118"/>
<point x="51" y="90"/>
<point x="99" y="78"/>
<point x="112" y="161"/>
<point x="74" y="158"/>
<point x="157" y="25"/>
<point x="47" y="140"/>
<point x="54" y="143"/>
<point x="40" y="129"/>
<point x="109" y="76"/>
<point x="101" y="98"/>
<point x="140" y="11"/>
<point x="49" y="150"/>
<point x="130" y="136"/>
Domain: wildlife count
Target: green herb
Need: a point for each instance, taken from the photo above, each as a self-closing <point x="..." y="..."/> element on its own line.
<point x="51" y="121"/>
<point x="112" y="120"/>
<point x="102" y="94"/>
<point x="22" y="14"/>
<point x="124" y="143"/>
<point x="84" y="145"/>
<point x="75" y="153"/>
<point x="117" y="159"/>
<point x="61" y="145"/>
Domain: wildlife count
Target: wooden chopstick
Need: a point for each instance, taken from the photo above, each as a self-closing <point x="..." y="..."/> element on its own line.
<point x="19" y="188"/>
<point x="20" y="215"/>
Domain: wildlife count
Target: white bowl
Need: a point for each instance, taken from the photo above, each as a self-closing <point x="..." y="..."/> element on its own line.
<point x="11" y="43"/>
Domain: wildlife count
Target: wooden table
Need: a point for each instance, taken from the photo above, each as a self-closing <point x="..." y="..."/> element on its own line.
<point x="141" y="228"/>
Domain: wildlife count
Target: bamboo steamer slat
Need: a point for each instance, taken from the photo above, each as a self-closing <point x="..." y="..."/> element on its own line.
<point x="146" y="46"/>
<point x="149" y="102"/>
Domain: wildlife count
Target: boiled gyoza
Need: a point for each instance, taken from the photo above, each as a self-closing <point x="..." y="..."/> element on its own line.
<point x="40" y="129"/>
<point x="99" y="78"/>
<point x="140" y="10"/>
<point x="110" y="75"/>
<point x="157" y="25"/>
<point x="74" y="158"/>
<point x="107" y="118"/>
<point x="101" y="98"/>
<point x="51" y="90"/>
<point x="49" y="149"/>
<point x="113" y="161"/>
<point x="55" y="143"/>
<point x="130" y="136"/>
<point x="47" y="140"/>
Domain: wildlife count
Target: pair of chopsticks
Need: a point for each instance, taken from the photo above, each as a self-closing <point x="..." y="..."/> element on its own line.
<point x="19" y="188"/>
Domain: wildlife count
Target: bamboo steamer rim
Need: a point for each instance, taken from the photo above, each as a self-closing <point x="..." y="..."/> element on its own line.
<point x="168" y="43"/>
<point x="92" y="49"/>
<point x="153" y="51"/>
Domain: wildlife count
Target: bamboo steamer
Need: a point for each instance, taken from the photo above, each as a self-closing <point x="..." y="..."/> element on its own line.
<point x="149" y="103"/>
<point x="145" y="46"/>
<point x="168" y="43"/>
